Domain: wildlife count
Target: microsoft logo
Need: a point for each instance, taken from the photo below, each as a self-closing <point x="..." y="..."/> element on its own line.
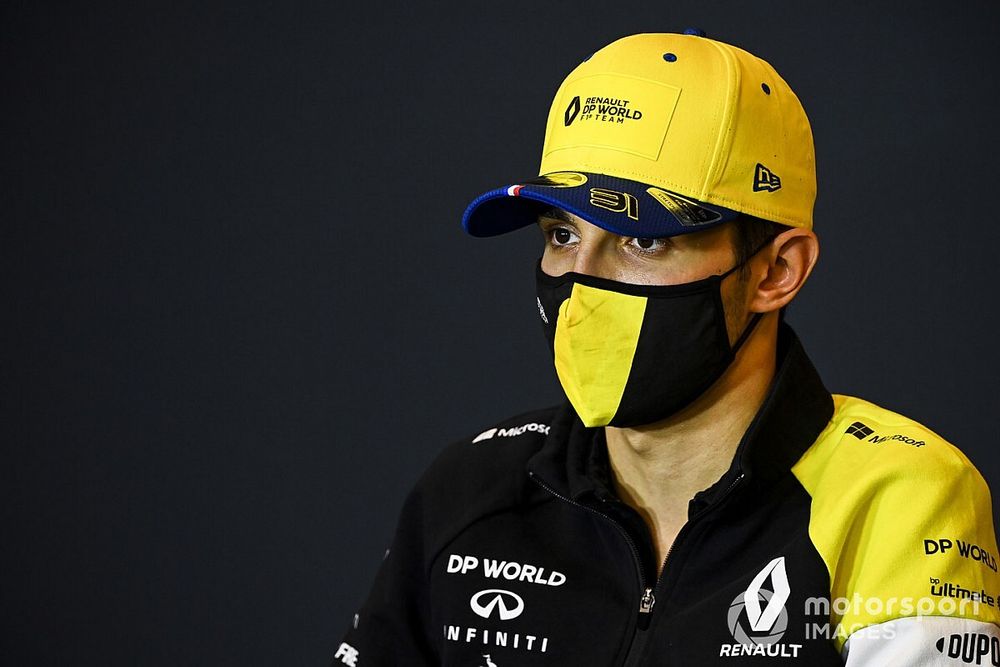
<point x="859" y="430"/>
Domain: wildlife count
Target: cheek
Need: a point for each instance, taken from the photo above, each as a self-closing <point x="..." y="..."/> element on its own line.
<point x="672" y="269"/>
<point x="555" y="263"/>
<point x="735" y="295"/>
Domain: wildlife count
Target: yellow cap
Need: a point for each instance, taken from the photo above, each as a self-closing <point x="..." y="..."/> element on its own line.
<point x="662" y="134"/>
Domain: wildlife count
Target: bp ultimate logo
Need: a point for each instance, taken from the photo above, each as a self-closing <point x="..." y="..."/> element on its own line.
<point x="758" y="618"/>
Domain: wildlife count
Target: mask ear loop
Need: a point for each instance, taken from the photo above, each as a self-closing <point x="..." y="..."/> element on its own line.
<point x="763" y="245"/>
<point x="756" y="316"/>
<point x="746" y="332"/>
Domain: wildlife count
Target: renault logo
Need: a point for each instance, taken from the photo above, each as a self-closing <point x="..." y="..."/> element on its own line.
<point x="768" y="622"/>
<point x="507" y="605"/>
<point x="571" y="111"/>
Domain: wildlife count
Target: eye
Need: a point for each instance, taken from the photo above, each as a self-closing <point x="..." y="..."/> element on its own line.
<point x="561" y="236"/>
<point x="648" y="245"/>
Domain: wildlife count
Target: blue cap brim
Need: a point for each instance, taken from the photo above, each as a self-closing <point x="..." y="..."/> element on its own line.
<point x="621" y="206"/>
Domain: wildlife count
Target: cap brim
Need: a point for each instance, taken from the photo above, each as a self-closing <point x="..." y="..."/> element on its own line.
<point x="619" y="205"/>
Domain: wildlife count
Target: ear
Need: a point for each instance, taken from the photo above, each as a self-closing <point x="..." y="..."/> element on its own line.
<point x="789" y="260"/>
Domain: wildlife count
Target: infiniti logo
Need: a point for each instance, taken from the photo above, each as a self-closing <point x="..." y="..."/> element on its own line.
<point x="507" y="605"/>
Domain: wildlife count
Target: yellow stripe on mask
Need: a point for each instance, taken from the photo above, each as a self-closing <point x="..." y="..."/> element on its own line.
<point x="596" y="336"/>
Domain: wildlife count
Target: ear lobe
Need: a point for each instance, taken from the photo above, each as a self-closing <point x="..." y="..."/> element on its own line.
<point x="791" y="259"/>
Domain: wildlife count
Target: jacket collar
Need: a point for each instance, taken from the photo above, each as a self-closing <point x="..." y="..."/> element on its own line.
<point x="573" y="461"/>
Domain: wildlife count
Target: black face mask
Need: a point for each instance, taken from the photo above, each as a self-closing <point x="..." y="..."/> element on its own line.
<point x="630" y="354"/>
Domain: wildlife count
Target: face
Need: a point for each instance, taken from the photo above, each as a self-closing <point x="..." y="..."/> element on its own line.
<point x="573" y="244"/>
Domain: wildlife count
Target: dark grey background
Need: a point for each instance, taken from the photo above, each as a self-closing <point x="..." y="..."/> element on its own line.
<point x="242" y="317"/>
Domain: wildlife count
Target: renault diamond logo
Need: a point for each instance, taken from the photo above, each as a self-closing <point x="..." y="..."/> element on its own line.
<point x="507" y="605"/>
<point x="769" y="623"/>
<point x="571" y="111"/>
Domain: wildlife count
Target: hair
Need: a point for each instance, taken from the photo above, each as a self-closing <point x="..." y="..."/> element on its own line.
<point x="749" y="236"/>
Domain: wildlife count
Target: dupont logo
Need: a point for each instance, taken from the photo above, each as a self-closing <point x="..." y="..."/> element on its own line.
<point x="859" y="430"/>
<point x="971" y="648"/>
<point x="497" y="602"/>
<point x="765" y="180"/>
<point x="572" y="111"/>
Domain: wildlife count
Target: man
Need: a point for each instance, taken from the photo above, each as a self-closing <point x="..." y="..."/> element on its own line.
<point x="700" y="498"/>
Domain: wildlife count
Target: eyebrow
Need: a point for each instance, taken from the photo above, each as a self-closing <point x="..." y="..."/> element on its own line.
<point x="555" y="214"/>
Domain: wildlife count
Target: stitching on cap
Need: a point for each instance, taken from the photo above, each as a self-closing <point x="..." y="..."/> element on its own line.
<point x="722" y="139"/>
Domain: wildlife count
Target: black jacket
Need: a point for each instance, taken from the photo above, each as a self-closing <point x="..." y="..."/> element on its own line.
<point x="514" y="550"/>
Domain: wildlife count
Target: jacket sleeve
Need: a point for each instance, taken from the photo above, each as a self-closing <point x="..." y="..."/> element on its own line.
<point x="904" y="523"/>
<point x="937" y="562"/>
<point x="925" y="641"/>
<point x="391" y="628"/>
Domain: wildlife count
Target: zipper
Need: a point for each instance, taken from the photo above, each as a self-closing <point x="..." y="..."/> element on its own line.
<point x="647" y="599"/>
<point x="646" y="602"/>
<point x="726" y="492"/>
<point x="649" y="596"/>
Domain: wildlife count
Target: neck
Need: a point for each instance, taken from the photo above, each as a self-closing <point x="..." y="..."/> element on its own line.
<point x="657" y="468"/>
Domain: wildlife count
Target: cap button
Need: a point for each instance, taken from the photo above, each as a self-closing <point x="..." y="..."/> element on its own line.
<point x="697" y="32"/>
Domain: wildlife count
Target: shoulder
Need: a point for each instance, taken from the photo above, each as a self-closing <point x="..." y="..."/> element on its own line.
<point x="477" y="475"/>
<point x="485" y="455"/>
<point x="898" y="512"/>
<point x="890" y="469"/>
<point x="867" y="445"/>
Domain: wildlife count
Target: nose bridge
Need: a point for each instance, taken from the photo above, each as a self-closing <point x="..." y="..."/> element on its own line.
<point x="592" y="257"/>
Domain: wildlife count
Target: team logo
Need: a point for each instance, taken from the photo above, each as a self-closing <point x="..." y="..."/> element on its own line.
<point x="750" y="622"/>
<point x="765" y="180"/>
<point x="504" y="604"/>
<point x="572" y="111"/>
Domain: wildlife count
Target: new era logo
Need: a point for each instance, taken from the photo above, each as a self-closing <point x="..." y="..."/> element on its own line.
<point x="765" y="180"/>
<point x="859" y="430"/>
